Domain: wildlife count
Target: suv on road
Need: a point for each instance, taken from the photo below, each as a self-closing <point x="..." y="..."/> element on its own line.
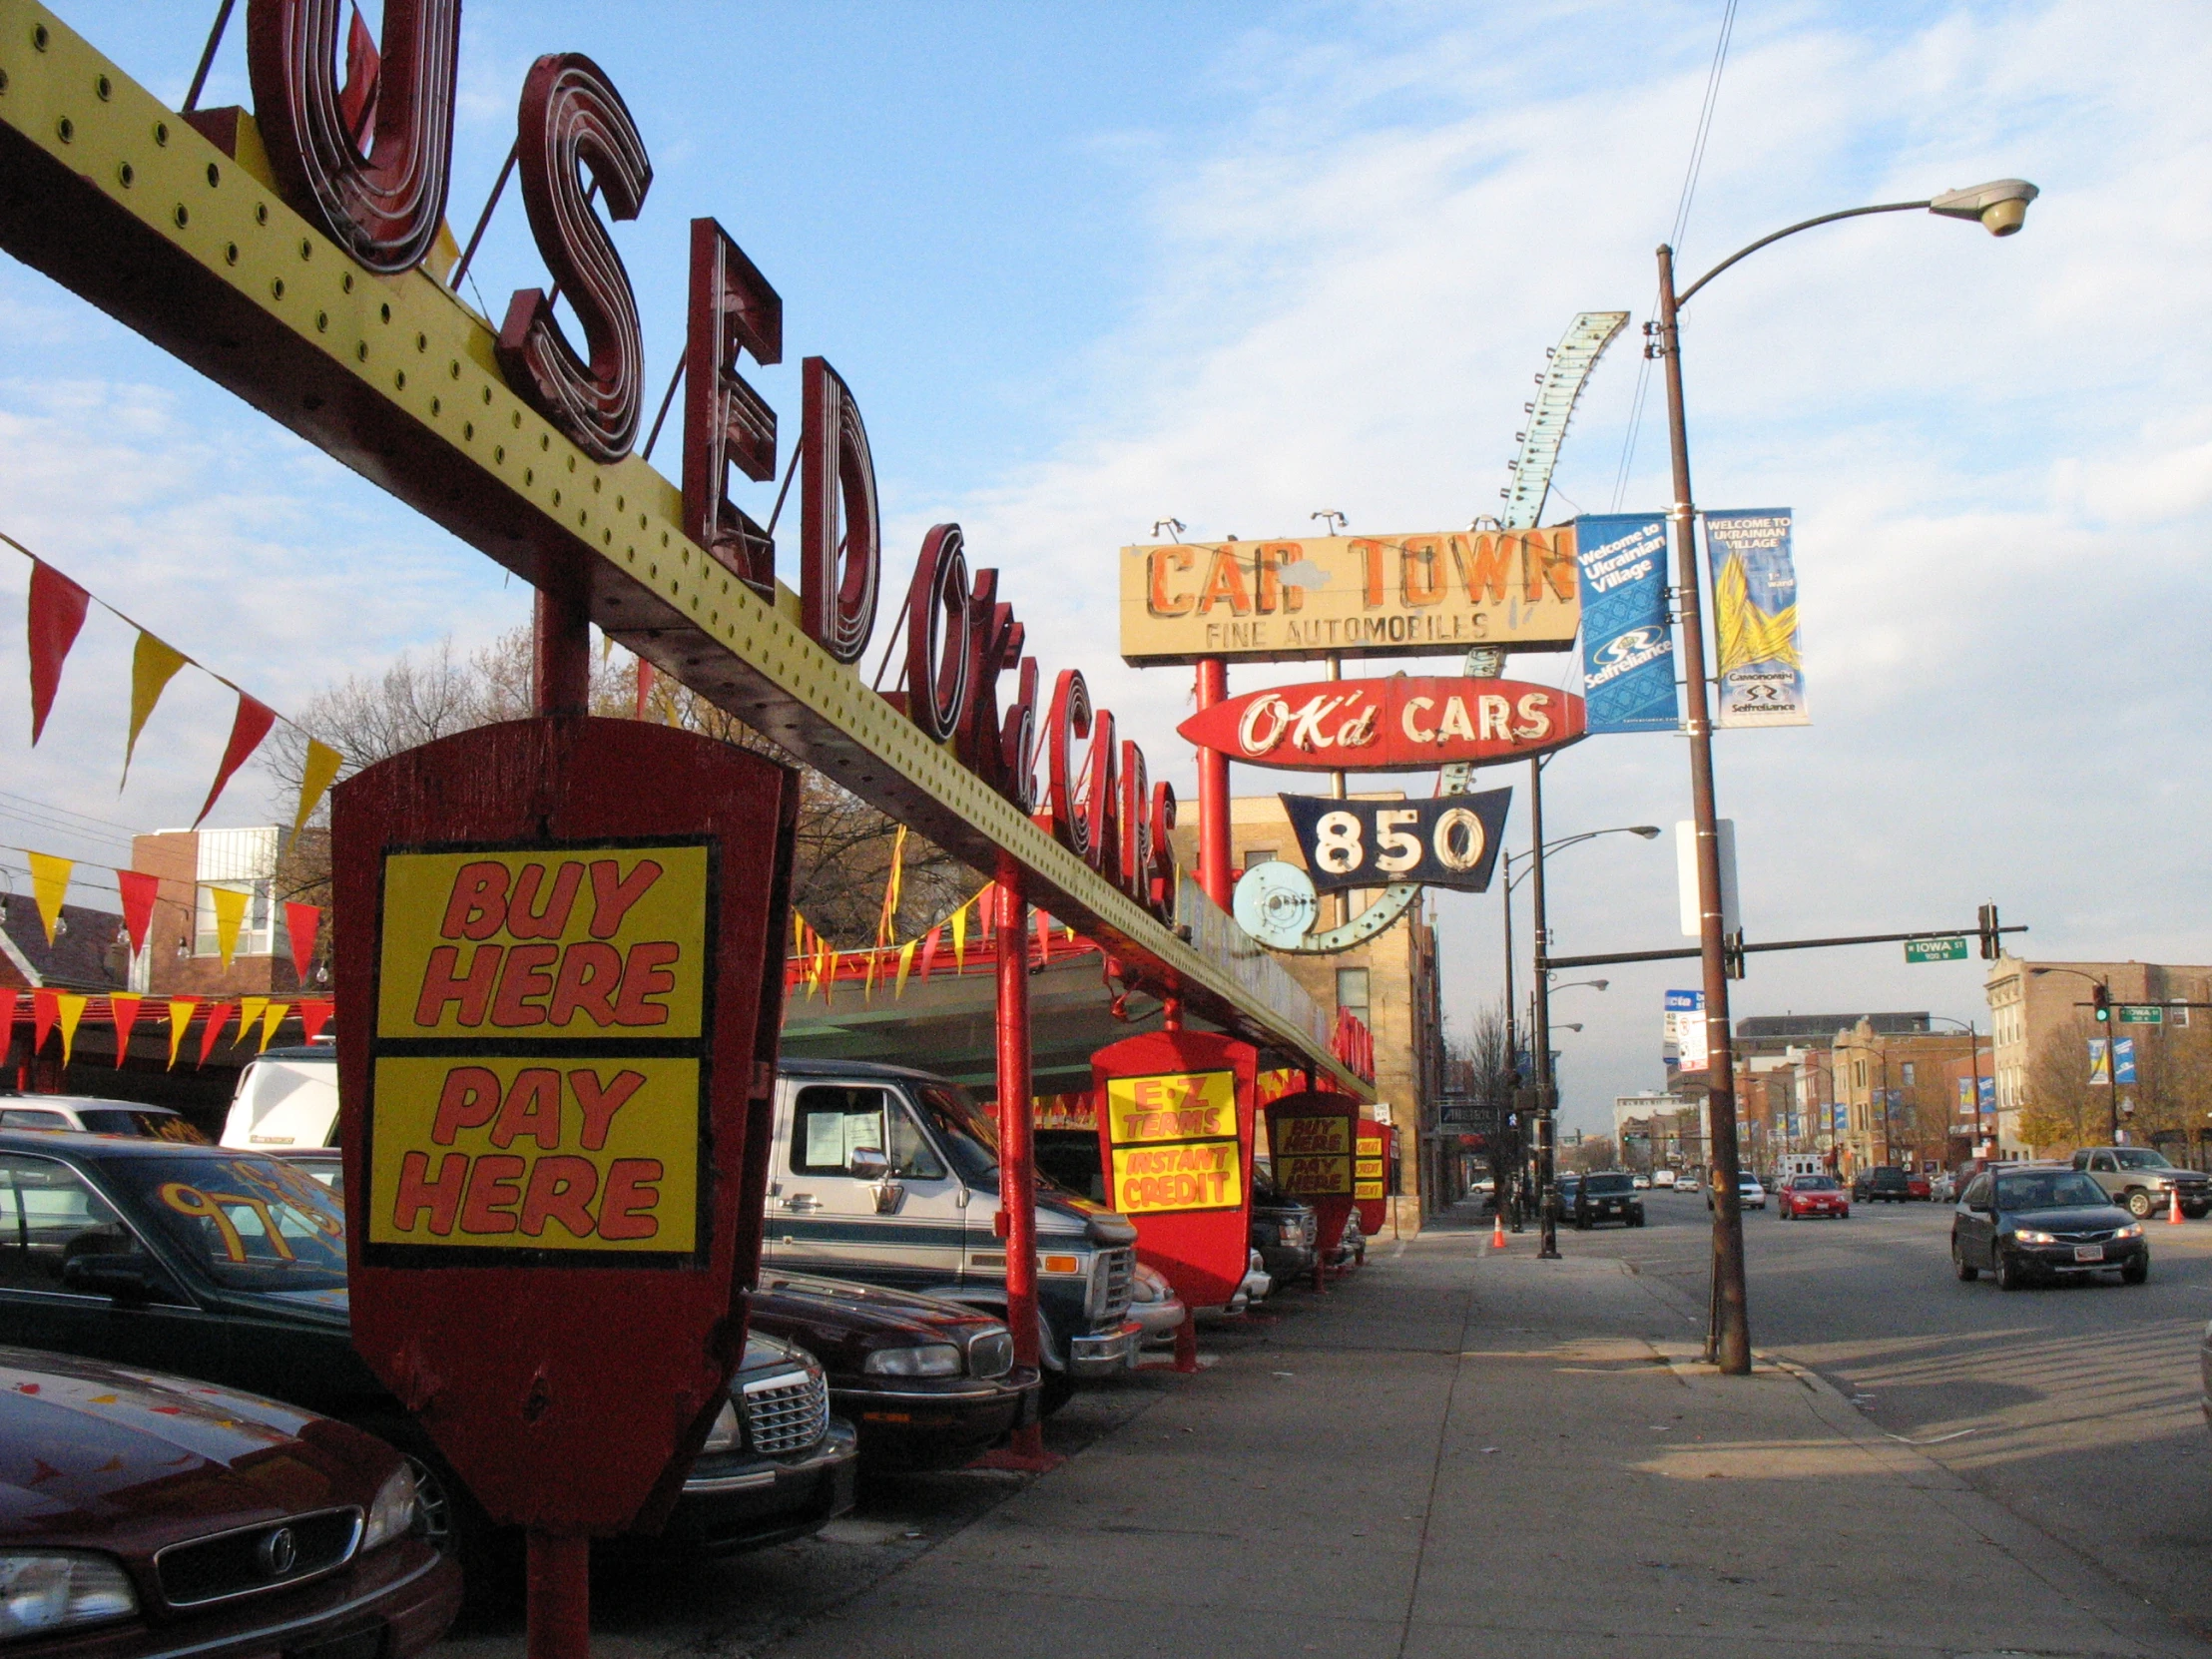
<point x="2141" y="1181"/>
<point x="1607" y="1195"/>
<point x="1882" y="1184"/>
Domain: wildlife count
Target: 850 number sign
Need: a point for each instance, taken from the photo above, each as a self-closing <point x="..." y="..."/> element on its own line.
<point x="1447" y="842"/>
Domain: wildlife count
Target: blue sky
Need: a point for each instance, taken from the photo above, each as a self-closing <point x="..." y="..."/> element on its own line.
<point x="1087" y="268"/>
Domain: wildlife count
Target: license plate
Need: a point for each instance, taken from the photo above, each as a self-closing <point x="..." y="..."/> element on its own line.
<point x="2089" y="1253"/>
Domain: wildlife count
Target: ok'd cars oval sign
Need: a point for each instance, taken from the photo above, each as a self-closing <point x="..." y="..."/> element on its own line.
<point x="1396" y="724"/>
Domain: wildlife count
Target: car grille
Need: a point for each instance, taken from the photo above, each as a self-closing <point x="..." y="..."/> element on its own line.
<point x="2103" y="1234"/>
<point x="785" y="1412"/>
<point x="1115" y="1282"/>
<point x="257" y="1558"/>
<point x="991" y="1355"/>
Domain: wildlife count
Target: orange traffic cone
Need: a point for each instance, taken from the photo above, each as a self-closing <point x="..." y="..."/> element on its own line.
<point x="2173" y="1211"/>
<point x="1497" y="1232"/>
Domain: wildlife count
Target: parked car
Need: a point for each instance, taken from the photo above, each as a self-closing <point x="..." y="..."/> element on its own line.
<point x="1809" y="1195"/>
<point x="287" y="1097"/>
<point x="1686" y="1184"/>
<point x="113" y="1254"/>
<point x="1607" y="1195"/>
<point x="1664" y="1178"/>
<point x="2139" y="1179"/>
<point x="2044" y="1223"/>
<point x="1749" y="1195"/>
<point x="1285" y="1230"/>
<point x="1568" y="1185"/>
<point x="1154" y="1305"/>
<point x="1257" y="1286"/>
<point x="889" y="1175"/>
<point x="1881" y="1183"/>
<point x="1918" y="1186"/>
<point x="1942" y="1187"/>
<point x="87" y="1115"/>
<point x="929" y="1384"/>
<point x="151" y="1515"/>
<point x="1642" y="1182"/>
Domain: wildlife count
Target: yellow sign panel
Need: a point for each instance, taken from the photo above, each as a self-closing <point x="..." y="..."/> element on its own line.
<point x="535" y="1154"/>
<point x="1173" y="1107"/>
<point x="1332" y="1134"/>
<point x="1201" y="1175"/>
<point x="545" y="942"/>
<point x="1314" y="1177"/>
<point x="1366" y="1176"/>
<point x="1418" y="595"/>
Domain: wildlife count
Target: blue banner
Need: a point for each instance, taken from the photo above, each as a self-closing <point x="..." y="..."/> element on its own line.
<point x="1755" y="619"/>
<point x="2124" y="1059"/>
<point x="1988" y="1088"/>
<point x="1627" y="642"/>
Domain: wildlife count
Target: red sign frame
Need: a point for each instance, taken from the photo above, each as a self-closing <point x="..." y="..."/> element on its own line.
<point x="1400" y="724"/>
<point x="1157" y="1085"/>
<point x="1296" y="1151"/>
<point x="569" y="1383"/>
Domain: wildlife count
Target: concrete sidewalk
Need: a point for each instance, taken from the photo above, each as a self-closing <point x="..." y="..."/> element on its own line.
<point x="1468" y="1453"/>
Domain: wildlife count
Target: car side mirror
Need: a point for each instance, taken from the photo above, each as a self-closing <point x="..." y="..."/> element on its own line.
<point x="866" y="1163"/>
<point x="124" y="1279"/>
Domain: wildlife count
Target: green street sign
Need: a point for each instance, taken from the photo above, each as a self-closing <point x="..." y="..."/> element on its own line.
<point x="1936" y="950"/>
<point x="2142" y="1013"/>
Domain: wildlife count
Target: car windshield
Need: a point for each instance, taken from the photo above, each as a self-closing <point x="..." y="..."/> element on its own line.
<point x="2048" y="1190"/>
<point x="249" y="1222"/>
<point x="1814" y="1184"/>
<point x="2141" y="1157"/>
<point x="963" y="1129"/>
<point x="126" y="1120"/>
<point x="1889" y="1178"/>
<point x="1609" y="1184"/>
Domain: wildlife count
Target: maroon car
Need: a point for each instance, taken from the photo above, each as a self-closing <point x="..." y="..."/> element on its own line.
<point x="144" y="1515"/>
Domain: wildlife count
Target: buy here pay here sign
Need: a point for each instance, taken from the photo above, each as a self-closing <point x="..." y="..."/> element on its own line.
<point x="539" y="1069"/>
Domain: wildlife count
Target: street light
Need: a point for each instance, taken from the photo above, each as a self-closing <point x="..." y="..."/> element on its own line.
<point x="2112" y="1059"/>
<point x="1541" y="1019"/>
<point x="2000" y="206"/>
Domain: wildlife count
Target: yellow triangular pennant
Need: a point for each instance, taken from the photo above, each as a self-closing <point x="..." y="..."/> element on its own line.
<point x="50" y="886"/>
<point x="153" y="664"/>
<point x="71" y="1010"/>
<point x="906" y="967"/>
<point x="180" y="1015"/>
<point x="249" y="1010"/>
<point x="315" y="775"/>
<point x="230" y="916"/>
<point x="272" y="1018"/>
<point x="960" y="939"/>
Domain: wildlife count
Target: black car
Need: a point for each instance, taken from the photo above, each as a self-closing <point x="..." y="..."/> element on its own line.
<point x="1884" y="1185"/>
<point x="1606" y="1195"/>
<point x="229" y="1267"/>
<point x="1285" y="1230"/>
<point x="2024" y="1224"/>
<point x="1568" y="1193"/>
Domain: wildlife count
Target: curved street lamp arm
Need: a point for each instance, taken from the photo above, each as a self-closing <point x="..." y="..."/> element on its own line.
<point x="1683" y="298"/>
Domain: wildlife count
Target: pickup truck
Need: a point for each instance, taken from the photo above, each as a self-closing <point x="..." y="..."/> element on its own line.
<point x="2142" y="1182"/>
<point x="889" y="1175"/>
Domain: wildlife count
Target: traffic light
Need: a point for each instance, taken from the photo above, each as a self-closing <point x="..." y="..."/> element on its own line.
<point x="2100" y="1000"/>
<point x="1992" y="943"/>
<point x="1732" y="954"/>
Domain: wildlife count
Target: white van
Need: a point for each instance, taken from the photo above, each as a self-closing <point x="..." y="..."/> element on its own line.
<point x="1662" y="1178"/>
<point x="287" y="1097"/>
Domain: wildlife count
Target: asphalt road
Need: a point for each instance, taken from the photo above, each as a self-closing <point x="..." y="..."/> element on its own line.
<point x="2076" y="1406"/>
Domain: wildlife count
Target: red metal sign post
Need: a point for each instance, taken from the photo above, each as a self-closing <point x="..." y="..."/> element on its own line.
<point x="1310" y="1138"/>
<point x="1175" y="1140"/>
<point x="561" y="1012"/>
<point x="1017" y="1168"/>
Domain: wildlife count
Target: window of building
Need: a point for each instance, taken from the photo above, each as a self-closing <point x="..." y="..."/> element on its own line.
<point x="1258" y="856"/>
<point x="1909" y="1070"/>
<point x="1859" y="1073"/>
<point x="1352" y="992"/>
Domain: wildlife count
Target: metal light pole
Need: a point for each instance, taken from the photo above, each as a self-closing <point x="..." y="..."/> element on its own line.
<point x="2000" y="206"/>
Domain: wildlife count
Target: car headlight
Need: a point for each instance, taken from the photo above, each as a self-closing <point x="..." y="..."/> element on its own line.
<point x="1147" y="1285"/>
<point x="58" y="1589"/>
<point x="392" y="1515"/>
<point x="1292" y="1232"/>
<point x="929" y="1360"/>
<point x="2133" y="1229"/>
<point x="2028" y="1235"/>
<point x="724" y="1434"/>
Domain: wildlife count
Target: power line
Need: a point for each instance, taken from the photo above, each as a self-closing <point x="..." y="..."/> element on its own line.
<point x="1690" y="178"/>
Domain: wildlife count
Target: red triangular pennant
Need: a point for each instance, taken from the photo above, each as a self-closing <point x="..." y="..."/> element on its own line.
<point x="46" y="1007"/>
<point x="645" y="686"/>
<point x="125" y="1011"/>
<point x="139" y="892"/>
<point x="930" y="949"/>
<point x="302" y="921"/>
<point x="219" y="1016"/>
<point x="57" y="613"/>
<point x="248" y="728"/>
<point x="314" y="1014"/>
